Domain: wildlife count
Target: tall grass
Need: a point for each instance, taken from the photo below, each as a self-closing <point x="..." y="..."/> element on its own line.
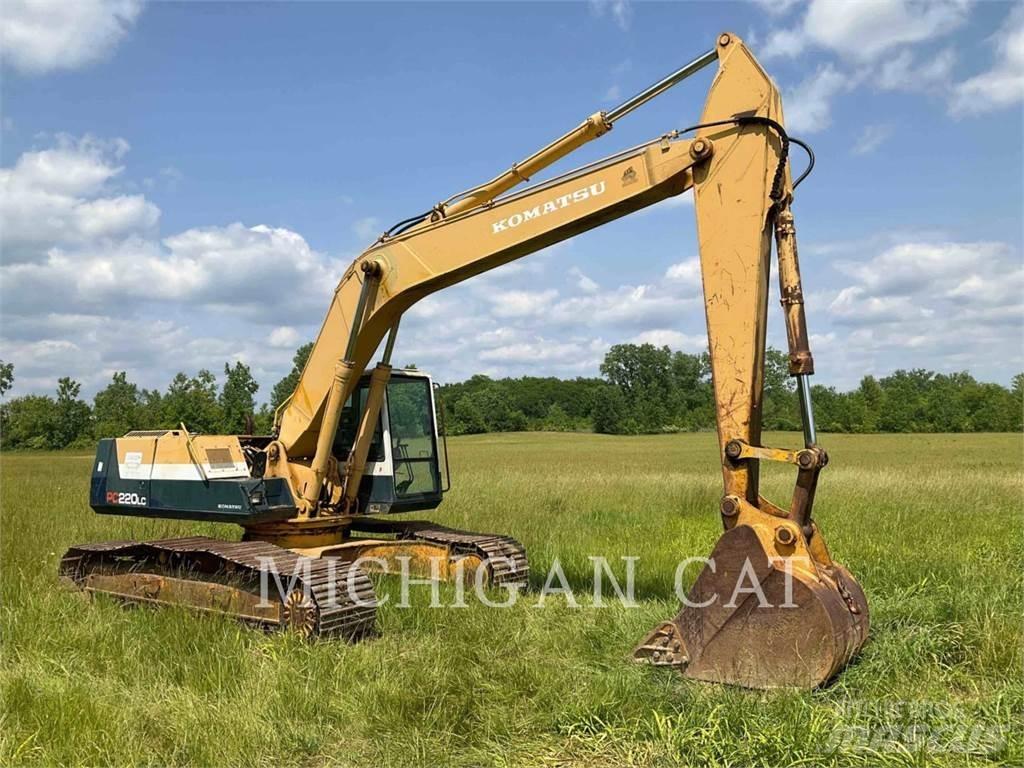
<point x="930" y="525"/>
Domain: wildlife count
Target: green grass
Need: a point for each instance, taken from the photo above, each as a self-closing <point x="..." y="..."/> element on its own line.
<point x="931" y="525"/>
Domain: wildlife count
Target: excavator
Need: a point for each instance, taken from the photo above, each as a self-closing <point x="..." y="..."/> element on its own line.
<point x="357" y="443"/>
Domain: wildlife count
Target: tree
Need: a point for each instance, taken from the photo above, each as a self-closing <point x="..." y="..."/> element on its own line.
<point x="1018" y="402"/>
<point x="116" y="409"/>
<point x="264" y="420"/>
<point x="29" y="422"/>
<point x="467" y="417"/>
<point x="946" y="404"/>
<point x="236" y="398"/>
<point x="486" y="408"/>
<point x="72" y="414"/>
<point x="644" y="375"/>
<point x="557" y="420"/>
<point x="6" y="377"/>
<point x="903" y="401"/>
<point x="610" y="411"/>
<point x="151" y="411"/>
<point x="641" y="371"/>
<point x="40" y="422"/>
<point x="193" y="402"/>
<point x="993" y="409"/>
<point x="692" y="397"/>
<point x="871" y="400"/>
<point x="284" y="388"/>
<point x="780" y="407"/>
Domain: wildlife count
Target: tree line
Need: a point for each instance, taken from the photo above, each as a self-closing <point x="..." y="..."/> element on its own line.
<point x="643" y="389"/>
<point x="647" y="389"/>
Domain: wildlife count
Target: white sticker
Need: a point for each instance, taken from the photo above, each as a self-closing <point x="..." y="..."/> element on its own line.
<point x="132" y="459"/>
<point x="99" y="467"/>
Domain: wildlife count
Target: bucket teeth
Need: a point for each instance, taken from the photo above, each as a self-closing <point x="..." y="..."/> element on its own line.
<point x="663" y="647"/>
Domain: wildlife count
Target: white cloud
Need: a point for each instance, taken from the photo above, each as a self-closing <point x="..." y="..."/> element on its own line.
<point x="562" y="329"/>
<point x="87" y="287"/>
<point x="863" y="31"/>
<point x="856" y="306"/>
<point x="808" y="106"/>
<point x="284" y="337"/>
<point x="614" y="92"/>
<point x="265" y="273"/>
<point x="783" y="42"/>
<point x="871" y="138"/>
<point x="626" y="307"/>
<point x="776" y="7"/>
<point x="903" y="72"/>
<point x="676" y="340"/>
<point x="39" y="36"/>
<point x="583" y="282"/>
<point x="620" y="11"/>
<point x="914" y="266"/>
<point x="61" y="195"/>
<point x="874" y="38"/>
<point x="957" y="305"/>
<point x="1003" y="85"/>
<point x="522" y="303"/>
<point x="686" y="272"/>
<point x="540" y="349"/>
<point x="259" y="267"/>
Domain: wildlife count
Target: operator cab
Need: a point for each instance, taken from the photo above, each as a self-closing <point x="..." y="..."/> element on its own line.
<point x="407" y="467"/>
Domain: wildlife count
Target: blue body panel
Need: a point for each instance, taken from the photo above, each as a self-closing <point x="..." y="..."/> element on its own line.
<point x="236" y="500"/>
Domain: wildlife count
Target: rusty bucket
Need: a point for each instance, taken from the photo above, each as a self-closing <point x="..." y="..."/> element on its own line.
<point x="757" y="619"/>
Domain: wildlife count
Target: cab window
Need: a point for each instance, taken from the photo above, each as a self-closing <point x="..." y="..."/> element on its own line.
<point x="350" y="416"/>
<point x="413" y="448"/>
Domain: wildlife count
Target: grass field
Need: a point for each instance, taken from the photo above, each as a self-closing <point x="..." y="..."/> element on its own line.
<point x="931" y="525"/>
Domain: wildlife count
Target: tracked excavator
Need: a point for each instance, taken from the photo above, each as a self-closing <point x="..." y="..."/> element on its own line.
<point x="355" y="444"/>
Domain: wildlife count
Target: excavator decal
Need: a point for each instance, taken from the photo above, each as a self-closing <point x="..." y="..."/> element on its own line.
<point x="549" y="206"/>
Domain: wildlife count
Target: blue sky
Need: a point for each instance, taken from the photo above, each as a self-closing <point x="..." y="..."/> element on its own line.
<point x="183" y="183"/>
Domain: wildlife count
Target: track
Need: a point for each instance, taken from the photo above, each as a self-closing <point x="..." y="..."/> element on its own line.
<point x="504" y="557"/>
<point x="315" y="597"/>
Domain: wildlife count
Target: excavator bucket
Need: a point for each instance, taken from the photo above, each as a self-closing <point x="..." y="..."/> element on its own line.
<point x="760" y="619"/>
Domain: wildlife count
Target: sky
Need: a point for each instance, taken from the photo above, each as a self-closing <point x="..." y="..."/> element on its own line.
<point x="183" y="184"/>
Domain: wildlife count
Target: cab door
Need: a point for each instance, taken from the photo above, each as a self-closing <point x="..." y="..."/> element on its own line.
<point x="411" y="430"/>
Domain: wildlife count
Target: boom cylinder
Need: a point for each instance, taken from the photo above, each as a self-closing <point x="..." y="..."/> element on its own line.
<point x="339" y="385"/>
<point x="367" y="426"/>
<point x="368" y="423"/>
